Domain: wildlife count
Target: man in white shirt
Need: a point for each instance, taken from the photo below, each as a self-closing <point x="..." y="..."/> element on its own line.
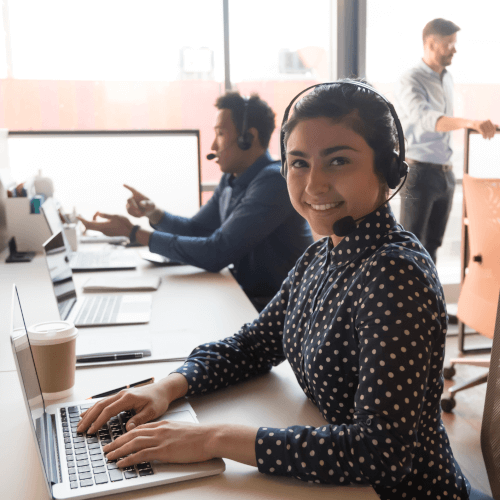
<point x="424" y="99"/>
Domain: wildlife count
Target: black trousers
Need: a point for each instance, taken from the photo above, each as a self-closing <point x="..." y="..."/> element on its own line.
<point x="426" y="201"/>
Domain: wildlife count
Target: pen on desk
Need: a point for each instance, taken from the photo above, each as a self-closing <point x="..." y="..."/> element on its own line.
<point x="110" y="357"/>
<point x="114" y="391"/>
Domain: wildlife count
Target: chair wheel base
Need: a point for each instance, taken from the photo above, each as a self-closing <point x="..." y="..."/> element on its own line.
<point x="447" y="405"/>
<point x="449" y="372"/>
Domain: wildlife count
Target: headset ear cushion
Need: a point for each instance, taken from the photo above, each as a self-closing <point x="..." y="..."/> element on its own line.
<point x="245" y="141"/>
<point x="393" y="174"/>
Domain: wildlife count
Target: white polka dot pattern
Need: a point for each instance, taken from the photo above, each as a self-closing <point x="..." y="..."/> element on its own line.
<point x="363" y="327"/>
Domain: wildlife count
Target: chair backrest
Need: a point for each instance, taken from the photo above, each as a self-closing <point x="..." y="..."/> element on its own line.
<point x="477" y="302"/>
<point x="490" y="428"/>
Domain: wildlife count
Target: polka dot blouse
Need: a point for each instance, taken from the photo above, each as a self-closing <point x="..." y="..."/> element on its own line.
<point x="363" y="326"/>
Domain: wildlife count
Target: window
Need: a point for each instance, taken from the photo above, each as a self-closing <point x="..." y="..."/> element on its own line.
<point x="156" y="64"/>
<point x="279" y="48"/>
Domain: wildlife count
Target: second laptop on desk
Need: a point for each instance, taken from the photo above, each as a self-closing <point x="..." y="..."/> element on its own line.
<point x="94" y="310"/>
<point x="112" y="260"/>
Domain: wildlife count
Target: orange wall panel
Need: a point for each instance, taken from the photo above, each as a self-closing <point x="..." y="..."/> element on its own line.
<point x="68" y="114"/>
<point x="22" y="109"/>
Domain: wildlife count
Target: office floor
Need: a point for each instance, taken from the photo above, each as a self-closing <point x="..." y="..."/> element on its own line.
<point x="464" y="424"/>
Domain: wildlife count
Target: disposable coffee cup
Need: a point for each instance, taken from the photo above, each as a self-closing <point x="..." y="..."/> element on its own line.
<point x="54" y="344"/>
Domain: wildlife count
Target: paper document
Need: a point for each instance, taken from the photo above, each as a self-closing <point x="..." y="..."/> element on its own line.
<point x="107" y="283"/>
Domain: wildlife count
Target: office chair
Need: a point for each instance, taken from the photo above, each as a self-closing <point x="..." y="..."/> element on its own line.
<point x="490" y="428"/>
<point x="477" y="301"/>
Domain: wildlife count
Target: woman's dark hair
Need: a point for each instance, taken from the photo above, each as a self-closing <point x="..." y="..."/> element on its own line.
<point x="260" y="115"/>
<point x="364" y="112"/>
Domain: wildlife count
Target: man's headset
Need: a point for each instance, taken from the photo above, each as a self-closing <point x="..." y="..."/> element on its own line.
<point x="395" y="171"/>
<point x="245" y="139"/>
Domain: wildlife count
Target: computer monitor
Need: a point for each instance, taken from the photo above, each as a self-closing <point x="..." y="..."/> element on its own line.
<point x="88" y="168"/>
<point x="6" y="182"/>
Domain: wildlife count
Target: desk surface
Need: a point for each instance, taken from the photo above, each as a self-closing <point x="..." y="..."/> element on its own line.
<point x="218" y="306"/>
<point x="274" y="399"/>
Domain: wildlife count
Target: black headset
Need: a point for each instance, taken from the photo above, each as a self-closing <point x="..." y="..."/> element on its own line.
<point x="398" y="167"/>
<point x="397" y="170"/>
<point x="245" y="138"/>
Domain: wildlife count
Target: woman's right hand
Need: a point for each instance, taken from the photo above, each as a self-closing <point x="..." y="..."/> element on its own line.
<point x="148" y="402"/>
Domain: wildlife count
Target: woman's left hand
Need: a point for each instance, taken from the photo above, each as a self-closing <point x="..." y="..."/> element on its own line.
<point x="168" y="442"/>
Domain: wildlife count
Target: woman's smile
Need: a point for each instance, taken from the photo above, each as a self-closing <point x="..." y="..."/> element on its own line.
<point x="326" y="206"/>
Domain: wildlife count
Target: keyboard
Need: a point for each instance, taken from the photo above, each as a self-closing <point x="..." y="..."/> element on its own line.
<point x="89" y="259"/>
<point x="87" y="463"/>
<point x="99" y="310"/>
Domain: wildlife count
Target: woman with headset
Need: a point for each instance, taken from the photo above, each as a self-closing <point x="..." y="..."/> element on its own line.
<point x="361" y="319"/>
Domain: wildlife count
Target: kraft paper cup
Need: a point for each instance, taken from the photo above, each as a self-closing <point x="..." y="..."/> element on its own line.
<point x="54" y="350"/>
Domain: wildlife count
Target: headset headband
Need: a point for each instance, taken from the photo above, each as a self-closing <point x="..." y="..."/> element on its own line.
<point x="399" y="128"/>
<point x="244" y="140"/>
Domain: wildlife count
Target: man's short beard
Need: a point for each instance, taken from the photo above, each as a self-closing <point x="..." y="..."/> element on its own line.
<point x="446" y="60"/>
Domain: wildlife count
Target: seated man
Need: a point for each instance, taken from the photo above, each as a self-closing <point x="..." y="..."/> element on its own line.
<point x="249" y="221"/>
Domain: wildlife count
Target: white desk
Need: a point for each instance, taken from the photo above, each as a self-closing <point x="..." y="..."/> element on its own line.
<point x="274" y="399"/>
<point x="218" y="306"/>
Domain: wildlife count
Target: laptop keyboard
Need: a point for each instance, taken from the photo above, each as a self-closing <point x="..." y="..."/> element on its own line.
<point x="89" y="259"/>
<point x="87" y="463"/>
<point x="99" y="310"/>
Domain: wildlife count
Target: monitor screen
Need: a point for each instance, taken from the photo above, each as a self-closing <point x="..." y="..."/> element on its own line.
<point x="89" y="168"/>
<point x="27" y="374"/>
<point x="51" y="215"/>
<point x="60" y="272"/>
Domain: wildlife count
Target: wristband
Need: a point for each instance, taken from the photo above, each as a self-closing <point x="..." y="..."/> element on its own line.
<point x="133" y="233"/>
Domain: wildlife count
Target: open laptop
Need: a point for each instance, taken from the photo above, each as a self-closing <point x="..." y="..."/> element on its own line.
<point x="110" y="260"/>
<point x="73" y="464"/>
<point x="91" y="310"/>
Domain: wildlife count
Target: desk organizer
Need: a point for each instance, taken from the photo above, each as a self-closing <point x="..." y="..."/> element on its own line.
<point x="30" y="230"/>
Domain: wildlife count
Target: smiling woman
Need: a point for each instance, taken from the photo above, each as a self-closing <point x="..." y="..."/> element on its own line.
<point x="360" y="318"/>
<point x="331" y="174"/>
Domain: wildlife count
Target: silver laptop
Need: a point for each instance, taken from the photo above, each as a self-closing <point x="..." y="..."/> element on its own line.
<point x="93" y="309"/>
<point x="110" y="260"/>
<point x="73" y="464"/>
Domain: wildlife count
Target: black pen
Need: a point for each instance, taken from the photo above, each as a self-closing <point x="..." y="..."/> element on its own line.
<point x="110" y="357"/>
<point x="114" y="391"/>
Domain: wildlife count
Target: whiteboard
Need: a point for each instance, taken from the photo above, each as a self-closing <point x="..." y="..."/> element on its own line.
<point x="88" y="169"/>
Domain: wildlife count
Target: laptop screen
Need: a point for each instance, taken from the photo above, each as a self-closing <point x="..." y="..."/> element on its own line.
<point x="27" y="374"/>
<point x="51" y="215"/>
<point x="60" y="272"/>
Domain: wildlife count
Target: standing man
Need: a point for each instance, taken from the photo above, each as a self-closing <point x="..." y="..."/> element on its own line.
<point x="424" y="98"/>
<point x="249" y="221"/>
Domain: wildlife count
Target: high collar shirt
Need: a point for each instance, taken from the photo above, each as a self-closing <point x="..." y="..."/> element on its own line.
<point x="363" y="326"/>
<point x="249" y="222"/>
<point x="422" y="96"/>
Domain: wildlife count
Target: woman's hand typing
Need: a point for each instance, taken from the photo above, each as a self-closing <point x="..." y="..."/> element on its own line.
<point x="148" y="402"/>
<point x="182" y="442"/>
<point x="168" y="442"/>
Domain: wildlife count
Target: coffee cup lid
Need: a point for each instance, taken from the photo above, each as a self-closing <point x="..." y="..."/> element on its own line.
<point x="52" y="332"/>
